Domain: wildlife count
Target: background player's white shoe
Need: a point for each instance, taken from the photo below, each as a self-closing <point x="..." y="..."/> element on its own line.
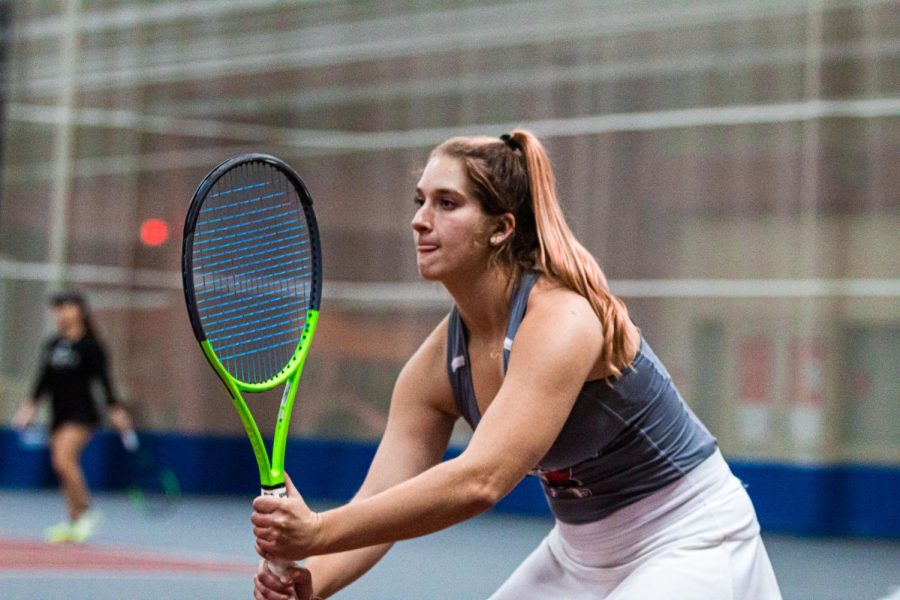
<point x="85" y="526"/>
<point x="59" y="532"/>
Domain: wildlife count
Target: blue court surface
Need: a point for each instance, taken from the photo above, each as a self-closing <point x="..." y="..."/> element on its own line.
<point x="204" y="550"/>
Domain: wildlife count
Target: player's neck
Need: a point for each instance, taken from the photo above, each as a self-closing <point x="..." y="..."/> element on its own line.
<point x="74" y="332"/>
<point x="483" y="302"/>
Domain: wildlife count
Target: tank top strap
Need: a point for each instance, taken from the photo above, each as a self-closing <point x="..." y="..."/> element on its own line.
<point x="518" y="304"/>
<point x="458" y="369"/>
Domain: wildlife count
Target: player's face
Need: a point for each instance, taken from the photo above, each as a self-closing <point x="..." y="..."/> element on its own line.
<point x="67" y="316"/>
<point x="449" y="227"/>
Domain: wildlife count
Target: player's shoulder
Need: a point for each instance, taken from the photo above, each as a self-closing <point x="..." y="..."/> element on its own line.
<point x="551" y="299"/>
<point x="560" y="329"/>
<point x="556" y="312"/>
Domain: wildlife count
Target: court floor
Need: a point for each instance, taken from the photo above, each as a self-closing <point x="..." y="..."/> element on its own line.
<point x="204" y="551"/>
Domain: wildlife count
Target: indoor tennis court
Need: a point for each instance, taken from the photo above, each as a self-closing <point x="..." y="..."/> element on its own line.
<point x="730" y="165"/>
<point x="201" y="552"/>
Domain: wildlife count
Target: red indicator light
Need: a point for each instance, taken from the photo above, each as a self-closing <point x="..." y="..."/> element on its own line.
<point x="154" y="232"/>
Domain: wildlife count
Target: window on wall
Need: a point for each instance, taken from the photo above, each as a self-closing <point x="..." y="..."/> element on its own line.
<point x="708" y="392"/>
<point x="871" y="395"/>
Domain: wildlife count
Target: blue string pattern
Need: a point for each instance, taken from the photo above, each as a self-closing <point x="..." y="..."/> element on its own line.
<point x="252" y="270"/>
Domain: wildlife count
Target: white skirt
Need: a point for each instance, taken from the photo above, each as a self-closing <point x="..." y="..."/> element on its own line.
<point x="695" y="539"/>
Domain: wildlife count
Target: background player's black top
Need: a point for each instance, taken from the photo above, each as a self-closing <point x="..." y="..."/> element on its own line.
<point x="72" y="373"/>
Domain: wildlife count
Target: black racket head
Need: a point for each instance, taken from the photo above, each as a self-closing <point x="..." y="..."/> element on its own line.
<point x="251" y="265"/>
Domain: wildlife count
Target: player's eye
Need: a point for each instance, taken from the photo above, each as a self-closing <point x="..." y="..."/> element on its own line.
<point x="418" y="200"/>
<point x="447" y="203"/>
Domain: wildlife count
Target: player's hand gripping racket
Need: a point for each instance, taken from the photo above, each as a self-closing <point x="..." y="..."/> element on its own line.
<point x="252" y="271"/>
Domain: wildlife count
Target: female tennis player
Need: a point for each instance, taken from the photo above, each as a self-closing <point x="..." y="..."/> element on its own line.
<point x="556" y="381"/>
<point x="72" y="362"/>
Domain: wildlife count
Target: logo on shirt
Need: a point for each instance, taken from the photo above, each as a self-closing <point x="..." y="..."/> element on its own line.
<point x="562" y="483"/>
<point x="64" y="357"/>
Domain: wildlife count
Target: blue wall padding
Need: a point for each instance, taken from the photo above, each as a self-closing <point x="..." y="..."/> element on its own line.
<point x="792" y="498"/>
<point x="848" y="500"/>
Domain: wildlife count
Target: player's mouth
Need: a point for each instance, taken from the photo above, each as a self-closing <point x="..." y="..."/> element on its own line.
<point x="425" y="248"/>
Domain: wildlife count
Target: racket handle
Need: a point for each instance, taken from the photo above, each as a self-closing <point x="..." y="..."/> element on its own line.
<point x="278" y="492"/>
<point x="278" y="568"/>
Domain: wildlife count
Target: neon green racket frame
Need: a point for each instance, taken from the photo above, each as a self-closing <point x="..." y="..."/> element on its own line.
<point x="271" y="472"/>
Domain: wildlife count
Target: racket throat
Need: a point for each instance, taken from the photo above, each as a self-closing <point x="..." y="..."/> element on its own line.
<point x="284" y="408"/>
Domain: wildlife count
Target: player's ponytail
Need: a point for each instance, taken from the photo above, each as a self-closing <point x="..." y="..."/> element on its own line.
<point x="560" y="255"/>
<point x="512" y="174"/>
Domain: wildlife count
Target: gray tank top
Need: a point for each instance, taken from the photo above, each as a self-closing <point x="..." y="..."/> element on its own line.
<point x="624" y="439"/>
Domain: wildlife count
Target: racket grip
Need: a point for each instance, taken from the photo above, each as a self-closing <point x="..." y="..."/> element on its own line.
<point x="278" y="568"/>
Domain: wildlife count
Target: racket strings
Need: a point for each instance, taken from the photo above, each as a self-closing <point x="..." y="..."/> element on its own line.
<point x="253" y="268"/>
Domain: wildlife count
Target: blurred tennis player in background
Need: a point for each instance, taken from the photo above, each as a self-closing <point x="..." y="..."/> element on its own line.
<point x="73" y="372"/>
<point x="556" y="381"/>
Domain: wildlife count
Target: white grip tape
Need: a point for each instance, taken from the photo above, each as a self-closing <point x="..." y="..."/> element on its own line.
<point x="279" y="492"/>
<point x="278" y="568"/>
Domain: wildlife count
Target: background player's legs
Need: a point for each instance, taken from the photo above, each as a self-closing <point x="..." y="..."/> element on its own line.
<point x="66" y="445"/>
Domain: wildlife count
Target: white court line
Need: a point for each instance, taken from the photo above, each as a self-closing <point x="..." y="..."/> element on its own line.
<point x="426" y="295"/>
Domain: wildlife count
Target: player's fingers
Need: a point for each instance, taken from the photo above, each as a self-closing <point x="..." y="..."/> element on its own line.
<point x="263" y="552"/>
<point x="273" y="532"/>
<point x="265" y="519"/>
<point x="270" y="583"/>
<point x="261" y="519"/>
<point x="263" y="593"/>
<point x="265" y="533"/>
<point x="266" y="504"/>
<point x="302" y="583"/>
<point x="267" y="550"/>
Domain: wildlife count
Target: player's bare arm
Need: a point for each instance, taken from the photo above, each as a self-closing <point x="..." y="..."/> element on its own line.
<point x="554" y="353"/>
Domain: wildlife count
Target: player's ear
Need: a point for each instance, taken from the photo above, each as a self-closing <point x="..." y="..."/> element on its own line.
<point x="504" y="227"/>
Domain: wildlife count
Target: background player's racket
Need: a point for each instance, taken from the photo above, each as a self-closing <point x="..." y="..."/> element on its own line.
<point x="252" y="272"/>
<point x="152" y="487"/>
<point x="33" y="437"/>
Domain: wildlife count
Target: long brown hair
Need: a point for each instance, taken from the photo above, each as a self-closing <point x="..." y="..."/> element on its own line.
<point x="76" y="298"/>
<point x="513" y="175"/>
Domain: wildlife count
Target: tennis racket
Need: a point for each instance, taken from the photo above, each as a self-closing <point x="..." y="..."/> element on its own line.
<point x="152" y="487"/>
<point x="252" y="274"/>
<point x="33" y="437"/>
